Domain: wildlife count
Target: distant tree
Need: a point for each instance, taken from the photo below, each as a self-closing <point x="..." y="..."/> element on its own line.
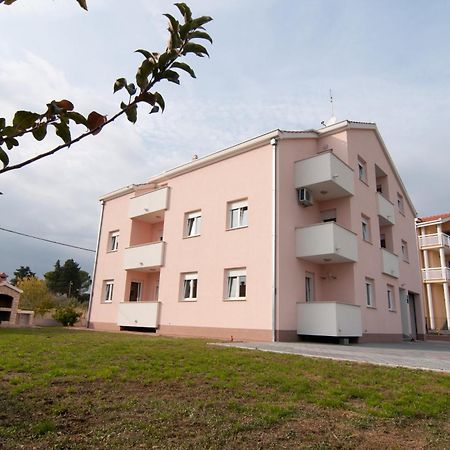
<point x="20" y="273"/>
<point x="35" y="295"/>
<point x="155" y="68"/>
<point x="68" y="279"/>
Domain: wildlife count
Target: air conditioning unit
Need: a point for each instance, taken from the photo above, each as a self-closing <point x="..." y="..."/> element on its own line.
<point x="305" y="197"/>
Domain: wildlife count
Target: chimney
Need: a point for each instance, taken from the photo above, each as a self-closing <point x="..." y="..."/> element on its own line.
<point x="3" y="277"/>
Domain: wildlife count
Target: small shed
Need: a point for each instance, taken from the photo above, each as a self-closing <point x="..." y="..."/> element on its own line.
<point x="10" y="314"/>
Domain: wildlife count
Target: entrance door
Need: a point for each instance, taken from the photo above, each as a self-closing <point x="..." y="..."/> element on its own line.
<point x="412" y="314"/>
<point x="135" y="291"/>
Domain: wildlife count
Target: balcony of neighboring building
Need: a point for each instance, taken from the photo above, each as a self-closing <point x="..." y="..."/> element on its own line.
<point x="326" y="243"/>
<point x="334" y="319"/>
<point x="435" y="240"/>
<point x="144" y="257"/>
<point x="325" y="176"/>
<point x="138" y="314"/>
<point x="389" y="263"/>
<point x="150" y="207"/>
<point x="386" y="212"/>
<point x="436" y="274"/>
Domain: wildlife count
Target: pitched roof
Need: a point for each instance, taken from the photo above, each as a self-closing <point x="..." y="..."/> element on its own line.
<point x="435" y="217"/>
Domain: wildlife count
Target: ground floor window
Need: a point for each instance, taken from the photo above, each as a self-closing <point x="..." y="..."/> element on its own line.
<point x="390" y="297"/>
<point x="108" y="291"/>
<point x="135" y="291"/>
<point x="370" y="292"/>
<point x="189" y="286"/>
<point x="309" y="287"/>
<point x="236" y="284"/>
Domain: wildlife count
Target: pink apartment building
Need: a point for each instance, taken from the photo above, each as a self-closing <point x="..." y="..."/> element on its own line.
<point x="290" y="234"/>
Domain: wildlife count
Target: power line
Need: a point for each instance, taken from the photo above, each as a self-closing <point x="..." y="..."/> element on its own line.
<point x="47" y="240"/>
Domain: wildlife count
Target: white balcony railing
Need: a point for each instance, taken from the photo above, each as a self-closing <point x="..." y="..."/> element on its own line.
<point x="326" y="176"/>
<point x="326" y="243"/>
<point x="389" y="263"/>
<point x="436" y="274"/>
<point x="147" y="206"/>
<point x="386" y="210"/>
<point x="138" y="314"/>
<point x="146" y="256"/>
<point x="434" y="240"/>
<point x="329" y="319"/>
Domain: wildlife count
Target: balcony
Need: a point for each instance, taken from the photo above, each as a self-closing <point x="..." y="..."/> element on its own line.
<point x="326" y="243"/>
<point x="386" y="211"/>
<point x="144" y="257"/>
<point x="389" y="263"/>
<point x="329" y="319"/>
<point x="326" y="176"/>
<point x="435" y="240"/>
<point x="138" y="314"/>
<point x="436" y="274"/>
<point x="149" y="207"/>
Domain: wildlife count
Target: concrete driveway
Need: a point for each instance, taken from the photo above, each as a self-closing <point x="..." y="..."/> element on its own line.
<point x="433" y="355"/>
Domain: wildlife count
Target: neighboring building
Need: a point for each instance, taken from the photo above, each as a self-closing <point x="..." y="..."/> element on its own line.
<point x="10" y="314"/>
<point x="306" y="233"/>
<point x="433" y="234"/>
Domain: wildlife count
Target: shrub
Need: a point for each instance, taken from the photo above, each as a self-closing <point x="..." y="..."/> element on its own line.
<point x="67" y="315"/>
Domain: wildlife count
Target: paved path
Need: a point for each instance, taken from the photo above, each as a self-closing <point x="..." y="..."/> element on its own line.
<point x="415" y="355"/>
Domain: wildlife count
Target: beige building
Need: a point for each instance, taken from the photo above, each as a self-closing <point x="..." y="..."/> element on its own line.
<point x="433" y="234"/>
<point x="10" y="314"/>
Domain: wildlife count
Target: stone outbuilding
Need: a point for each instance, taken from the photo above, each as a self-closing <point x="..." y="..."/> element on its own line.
<point x="10" y="314"/>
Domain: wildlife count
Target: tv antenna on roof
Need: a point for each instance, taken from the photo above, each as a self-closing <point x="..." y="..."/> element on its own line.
<point x="332" y="120"/>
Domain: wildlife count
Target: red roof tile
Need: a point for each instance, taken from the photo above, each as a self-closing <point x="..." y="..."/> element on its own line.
<point x="435" y="217"/>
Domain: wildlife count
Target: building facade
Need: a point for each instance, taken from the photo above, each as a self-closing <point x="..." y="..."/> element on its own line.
<point x="289" y="234"/>
<point x="433" y="235"/>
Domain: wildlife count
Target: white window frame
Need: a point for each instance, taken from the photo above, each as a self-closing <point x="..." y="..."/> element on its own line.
<point x="405" y="252"/>
<point x="189" y="284"/>
<point x="108" y="290"/>
<point x="362" y="170"/>
<point x="193" y="224"/>
<point x="309" y="287"/>
<point x="240" y="218"/>
<point x="365" y="228"/>
<point x="233" y="280"/>
<point x="139" y="293"/>
<point x="369" y="286"/>
<point x="390" y="292"/>
<point x="113" y="241"/>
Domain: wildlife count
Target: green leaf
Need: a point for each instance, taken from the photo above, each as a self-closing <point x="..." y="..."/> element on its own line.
<point x="164" y="58"/>
<point x="185" y="67"/>
<point x="155" y="109"/>
<point x="123" y="105"/>
<point x="77" y="117"/>
<point x="147" y="97"/>
<point x="9" y="131"/>
<point x="131" y="113"/>
<point x="174" y="24"/>
<point x="159" y="99"/>
<point x="200" y="35"/>
<point x="119" y="84"/>
<point x="63" y="131"/>
<point x="24" y="119"/>
<point x="4" y="158"/>
<point x="11" y="142"/>
<point x="171" y="76"/>
<point x="83" y="4"/>
<point x="185" y="11"/>
<point x="199" y="22"/>
<point x="40" y="132"/>
<point x="143" y="73"/>
<point x="146" y="53"/>
<point x="2" y="123"/>
<point x="131" y="88"/>
<point x="198" y="49"/>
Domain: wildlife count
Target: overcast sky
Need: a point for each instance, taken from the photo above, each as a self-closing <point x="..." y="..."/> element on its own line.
<point x="272" y="65"/>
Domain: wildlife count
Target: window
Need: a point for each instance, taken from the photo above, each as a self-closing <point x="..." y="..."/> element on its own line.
<point x="362" y="170"/>
<point x="113" y="241"/>
<point x="400" y="203"/>
<point x="135" y="291"/>
<point x="370" y="296"/>
<point x="193" y="224"/>
<point x="390" y="297"/>
<point x="365" y="228"/>
<point x="108" y="291"/>
<point x="309" y="287"/>
<point x="236" y="288"/>
<point x="189" y="288"/>
<point x="238" y="214"/>
<point x="382" y="240"/>
<point x="405" y="254"/>
<point x="379" y="188"/>
<point x="328" y="216"/>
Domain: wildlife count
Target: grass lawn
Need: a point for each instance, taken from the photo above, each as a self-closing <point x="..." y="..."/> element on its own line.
<point x="67" y="389"/>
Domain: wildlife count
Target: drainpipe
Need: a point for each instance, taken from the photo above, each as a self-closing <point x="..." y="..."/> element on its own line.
<point x="273" y="143"/>
<point x="95" y="265"/>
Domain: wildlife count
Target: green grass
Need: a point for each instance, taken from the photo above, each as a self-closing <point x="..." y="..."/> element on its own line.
<point x="63" y="388"/>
